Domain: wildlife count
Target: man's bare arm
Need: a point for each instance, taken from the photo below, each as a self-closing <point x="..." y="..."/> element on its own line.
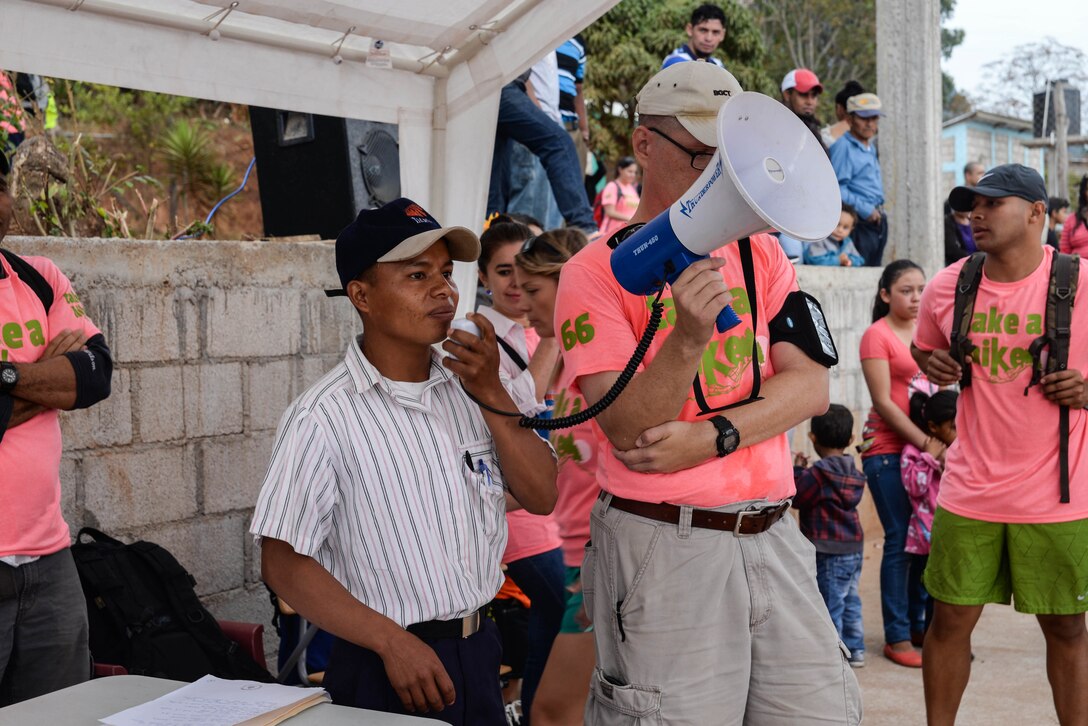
<point x="411" y="665"/>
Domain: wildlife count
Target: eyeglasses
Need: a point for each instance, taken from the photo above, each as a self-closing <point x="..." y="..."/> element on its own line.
<point x="699" y="159"/>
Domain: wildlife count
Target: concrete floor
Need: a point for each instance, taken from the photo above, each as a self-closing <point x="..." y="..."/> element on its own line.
<point x="1008" y="678"/>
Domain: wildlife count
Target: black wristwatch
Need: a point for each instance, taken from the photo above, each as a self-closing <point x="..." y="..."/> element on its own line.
<point x="728" y="437"/>
<point x="9" y="376"/>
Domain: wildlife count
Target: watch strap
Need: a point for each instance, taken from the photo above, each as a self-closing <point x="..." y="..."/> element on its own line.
<point x="725" y="429"/>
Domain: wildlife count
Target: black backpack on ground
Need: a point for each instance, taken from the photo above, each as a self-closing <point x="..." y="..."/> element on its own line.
<point x="145" y="616"/>
<point x="1061" y="292"/>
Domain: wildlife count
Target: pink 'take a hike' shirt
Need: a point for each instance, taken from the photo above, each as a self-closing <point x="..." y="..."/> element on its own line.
<point x="1003" y="465"/>
<point x="599" y="324"/>
<point x="30" y="518"/>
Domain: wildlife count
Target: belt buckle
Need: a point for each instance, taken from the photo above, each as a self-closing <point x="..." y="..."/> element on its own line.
<point x="470" y="624"/>
<point x="740" y="518"/>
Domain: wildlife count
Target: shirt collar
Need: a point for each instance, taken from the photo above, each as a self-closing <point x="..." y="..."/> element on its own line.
<point x="365" y="376"/>
<point x="859" y="143"/>
<point x="502" y="324"/>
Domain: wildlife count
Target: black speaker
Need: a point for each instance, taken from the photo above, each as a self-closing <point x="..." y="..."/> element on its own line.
<point x="316" y="172"/>
<point x="1072" y="110"/>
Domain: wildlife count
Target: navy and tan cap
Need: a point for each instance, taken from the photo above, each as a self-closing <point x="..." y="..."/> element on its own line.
<point x="1007" y="180"/>
<point x="398" y="231"/>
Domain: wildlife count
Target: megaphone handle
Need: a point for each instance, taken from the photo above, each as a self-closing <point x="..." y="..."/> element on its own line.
<point x="727" y="319"/>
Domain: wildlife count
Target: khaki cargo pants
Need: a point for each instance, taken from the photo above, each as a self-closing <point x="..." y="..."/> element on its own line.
<point x="700" y="627"/>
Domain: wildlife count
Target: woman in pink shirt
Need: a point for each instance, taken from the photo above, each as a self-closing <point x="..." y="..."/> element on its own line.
<point x="561" y="698"/>
<point x="1075" y="230"/>
<point x="889" y="370"/>
<point x="619" y="198"/>
<point x="533" y="557"/>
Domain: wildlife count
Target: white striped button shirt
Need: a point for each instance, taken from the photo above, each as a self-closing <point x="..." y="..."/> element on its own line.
<point x="375" y="487"/>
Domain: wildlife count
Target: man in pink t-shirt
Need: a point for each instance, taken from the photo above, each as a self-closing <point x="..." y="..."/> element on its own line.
<point x="699" y="610"/>
<point x="1001" y="532"/>
<point x="52" y="358"/>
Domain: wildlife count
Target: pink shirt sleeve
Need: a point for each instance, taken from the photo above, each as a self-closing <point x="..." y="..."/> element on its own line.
<point x="935" y="311"/>
<point x="594" y="330"/>
<point x="67" y="310"/>
<point x="873" y="344"/>
<point x="610" y="193"/>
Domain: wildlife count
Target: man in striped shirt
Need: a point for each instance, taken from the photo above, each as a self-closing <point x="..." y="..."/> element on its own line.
<point x="381" y="517"/>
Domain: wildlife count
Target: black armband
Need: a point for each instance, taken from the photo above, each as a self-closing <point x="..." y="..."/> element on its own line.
<point x="94" y="369"/>
<point x="801" y="322"/>
<point x="7" y="406"/>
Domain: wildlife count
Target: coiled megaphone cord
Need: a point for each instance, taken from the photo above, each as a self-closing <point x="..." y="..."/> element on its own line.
<point x="566" y="422"/>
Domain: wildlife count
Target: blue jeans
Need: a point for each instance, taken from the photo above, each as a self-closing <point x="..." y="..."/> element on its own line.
<point x="870" y="240"/>
<point x="530" y="190"/>
<point x="902" y="597"/>
<point x="837" y="577"/>
<point x="522" y="121"/>
<point x="543" y="578"/>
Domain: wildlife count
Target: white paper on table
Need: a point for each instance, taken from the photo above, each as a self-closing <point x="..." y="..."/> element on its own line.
<point x="213" y="701"/>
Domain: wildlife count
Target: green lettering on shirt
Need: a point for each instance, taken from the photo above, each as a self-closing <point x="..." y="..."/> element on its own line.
<point x="37" y="337"/>
<point x="1012" y="323"/>
<point x="1035" y="324"/>
<point x="12" y="333"/>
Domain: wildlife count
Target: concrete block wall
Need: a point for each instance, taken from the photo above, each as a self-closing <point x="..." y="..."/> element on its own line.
<point x="212" y="341"/>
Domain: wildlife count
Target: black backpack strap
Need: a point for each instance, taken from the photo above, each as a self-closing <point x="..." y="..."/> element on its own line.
<point x="509" y="349"/>
<point x="960" y="345"/>
<point x="30" y="275"/>
<point x="1064" y="275"/>
<point x="747" y="265"/>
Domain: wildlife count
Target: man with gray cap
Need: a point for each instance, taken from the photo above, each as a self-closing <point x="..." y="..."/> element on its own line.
<point x="381" y="516"/>
<point x="1009" y="525"/>
<point x="857" y="168"/>
<point x="701" y="588"/>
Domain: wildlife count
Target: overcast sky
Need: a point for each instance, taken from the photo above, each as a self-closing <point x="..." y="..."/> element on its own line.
<point x="994" y="27"/>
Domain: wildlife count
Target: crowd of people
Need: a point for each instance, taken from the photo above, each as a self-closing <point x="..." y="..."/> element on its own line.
<point x="672" y="482"/>
<point x="665" y="580"/>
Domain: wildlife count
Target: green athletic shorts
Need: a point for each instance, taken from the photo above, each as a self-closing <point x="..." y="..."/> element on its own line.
<point x="574" y="604"/>
<point x="1041" y="568"/>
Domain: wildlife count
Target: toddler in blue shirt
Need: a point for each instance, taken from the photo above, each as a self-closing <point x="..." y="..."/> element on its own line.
<point x="837" y="250"/>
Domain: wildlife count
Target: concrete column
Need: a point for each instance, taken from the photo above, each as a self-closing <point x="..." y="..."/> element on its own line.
<point x="908" y="72"/>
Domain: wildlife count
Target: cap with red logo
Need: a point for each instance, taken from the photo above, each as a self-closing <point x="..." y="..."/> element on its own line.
<point x="803" y="80"/>
<point x="398" y="231"/>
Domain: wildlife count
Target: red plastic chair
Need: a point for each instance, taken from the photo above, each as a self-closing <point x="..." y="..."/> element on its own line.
<point x="250" y="636"/>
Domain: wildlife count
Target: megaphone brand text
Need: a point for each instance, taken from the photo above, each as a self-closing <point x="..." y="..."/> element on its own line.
<point x="688" y="206"/>
<point x="645" y="245"/>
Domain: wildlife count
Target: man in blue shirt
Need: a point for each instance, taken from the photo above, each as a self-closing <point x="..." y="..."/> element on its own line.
<point x="858" y="170"/>
<point x="706" y="31"/>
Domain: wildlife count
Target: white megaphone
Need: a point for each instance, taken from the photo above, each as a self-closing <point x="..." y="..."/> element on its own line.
<point x="769" y="172"/>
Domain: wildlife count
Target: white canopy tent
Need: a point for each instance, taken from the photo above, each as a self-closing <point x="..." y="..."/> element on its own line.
<point x="449" y="59"/>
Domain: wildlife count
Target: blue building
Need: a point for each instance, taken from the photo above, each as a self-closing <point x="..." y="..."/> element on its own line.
<point x="989" y="138"/>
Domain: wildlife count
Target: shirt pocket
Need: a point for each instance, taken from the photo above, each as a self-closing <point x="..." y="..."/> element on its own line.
<point x="487" y="487"/>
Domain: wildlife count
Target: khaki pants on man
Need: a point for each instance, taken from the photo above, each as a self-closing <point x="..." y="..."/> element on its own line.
<point x="698" y="626"/>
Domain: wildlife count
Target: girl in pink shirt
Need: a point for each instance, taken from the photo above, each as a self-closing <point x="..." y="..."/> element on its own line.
<point x="619" y="198"/>
<point x="922" y="469"/>
<point x="564" y="687"/>
<point x="889" y="370"/>
<point x="1075" y="229"/>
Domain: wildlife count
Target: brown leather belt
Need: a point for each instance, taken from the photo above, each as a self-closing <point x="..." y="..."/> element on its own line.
<point x="739" y="523"/>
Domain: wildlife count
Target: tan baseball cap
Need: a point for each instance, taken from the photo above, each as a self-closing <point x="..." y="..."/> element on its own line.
<point x="693" y="92"/>
<point x="865" y="105"/>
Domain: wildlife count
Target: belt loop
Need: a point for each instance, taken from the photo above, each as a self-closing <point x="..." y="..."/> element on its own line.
<point x="606" y="499"/>
<point x="685" y="521"/>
